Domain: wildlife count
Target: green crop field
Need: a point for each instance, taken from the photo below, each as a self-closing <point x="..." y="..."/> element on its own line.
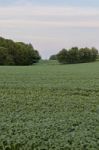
<point x="49" y="107"/>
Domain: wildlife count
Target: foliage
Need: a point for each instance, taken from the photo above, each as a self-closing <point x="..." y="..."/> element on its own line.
<point x="53" y="57"/>
<point x="75" y="55"/>
<point x="17" y="53"/>
<point x="49" y="107"/>
<point x="62" y="56"/>
<point x="48" y="62"/>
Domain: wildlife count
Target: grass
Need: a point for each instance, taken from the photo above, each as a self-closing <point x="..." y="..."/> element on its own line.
<point x="49" y="107"/>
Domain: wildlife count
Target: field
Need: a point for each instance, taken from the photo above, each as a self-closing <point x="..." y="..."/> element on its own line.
<point x="49" y="107"/>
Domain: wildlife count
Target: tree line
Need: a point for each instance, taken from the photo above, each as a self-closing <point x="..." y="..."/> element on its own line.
<point x="17" y="53"/>
<point x="76" y="55"/>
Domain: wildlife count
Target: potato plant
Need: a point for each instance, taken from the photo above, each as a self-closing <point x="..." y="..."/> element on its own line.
<point x="49" y="107"/>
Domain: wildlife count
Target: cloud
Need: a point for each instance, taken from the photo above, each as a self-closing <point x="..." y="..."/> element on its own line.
<point x="50" y="15"/>
<point x="47" y="26"/>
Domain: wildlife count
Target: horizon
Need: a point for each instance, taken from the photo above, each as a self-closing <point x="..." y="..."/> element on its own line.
<point x="50" y="26"/>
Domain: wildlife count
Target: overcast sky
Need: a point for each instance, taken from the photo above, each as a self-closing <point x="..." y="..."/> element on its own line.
<point x="51" y="25"/>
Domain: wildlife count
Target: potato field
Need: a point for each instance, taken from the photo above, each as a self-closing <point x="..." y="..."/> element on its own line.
<point x="49" y="107"/>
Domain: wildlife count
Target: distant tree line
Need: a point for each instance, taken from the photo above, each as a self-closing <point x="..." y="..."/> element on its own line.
<point x="53" y="57"/>
<point x="17" y="53"/>
<point x="76" y="55"/>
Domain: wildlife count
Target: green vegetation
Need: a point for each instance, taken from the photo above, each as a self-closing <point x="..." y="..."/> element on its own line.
<point x="75" y="55"/>
<point x="21" y="54"/>
<point x="49" y="107"/>
<point x="53" y="57"/>
<point x="17" y="53"/>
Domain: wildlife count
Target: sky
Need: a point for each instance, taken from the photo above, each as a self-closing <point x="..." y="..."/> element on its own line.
<point x="51" y="25"/>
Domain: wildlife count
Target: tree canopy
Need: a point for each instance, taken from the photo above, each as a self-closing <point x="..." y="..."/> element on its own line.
<point x="53" y="57"/>
<point x="17" y="53"/>
<point x="76" y="55"/>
